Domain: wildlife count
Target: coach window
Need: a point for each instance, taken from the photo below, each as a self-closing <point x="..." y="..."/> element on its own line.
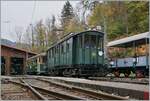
<point x="67" y="45"/>
<point x="44" y="59"/>
<point x="62" y="49"/>
<point x="52" y="52"/>
<point x="55" y="50"/>
<point x="80" y="41"/>
<point x="87" y="41"/>
<point x="49" y="53"/>
<point x="100" y="43"/>
<point x="58" y="49"/>
<point x="93" y="41"/>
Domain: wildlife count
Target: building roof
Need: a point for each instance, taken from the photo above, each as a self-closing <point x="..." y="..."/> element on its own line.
<point x="23" y="50"/>
<point x="130" y="39"/>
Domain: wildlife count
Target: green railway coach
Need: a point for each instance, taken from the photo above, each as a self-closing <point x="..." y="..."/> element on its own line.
<point x="78" y="54"/>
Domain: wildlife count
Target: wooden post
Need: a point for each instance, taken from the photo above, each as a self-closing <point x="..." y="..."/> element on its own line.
<point x="25" y="63"/>
<point x="8" y="65"/>
<point x="23" y="66"/>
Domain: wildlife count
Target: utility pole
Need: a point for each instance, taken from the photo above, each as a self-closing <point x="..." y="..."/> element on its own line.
<point x="105" y="38"/>
<point x="32" y="35"/>
<point x="8" y="24"/>
<point x="105" y="34"/>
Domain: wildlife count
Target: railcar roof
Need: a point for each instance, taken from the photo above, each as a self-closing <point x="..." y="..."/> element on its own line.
<point x="129" y="40"/>
<point x="71" y="35"/>
<point x="41" y="54"/>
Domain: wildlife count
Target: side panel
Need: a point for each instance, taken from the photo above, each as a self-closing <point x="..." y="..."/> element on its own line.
<point x="69" y="51"/>
<point x="100" y="50"/>
<point x="64" y="54"/>
<point x="74" y="50"/>
<point x="61" y="54"/>
<point x="93" y="55"/>
<point x="87" y="49"/>
<point x="87" y="55"/>
<point x="141" y="61"/>
<point x="78" y="50"/>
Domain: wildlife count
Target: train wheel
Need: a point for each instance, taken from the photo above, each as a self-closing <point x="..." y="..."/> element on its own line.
<point x="117" y="73"/>
<point x="127" y="73"/>
<point x="139" y="73"/>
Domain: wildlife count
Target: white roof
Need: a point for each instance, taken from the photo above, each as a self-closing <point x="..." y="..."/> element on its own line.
<point x="129" y="39"/>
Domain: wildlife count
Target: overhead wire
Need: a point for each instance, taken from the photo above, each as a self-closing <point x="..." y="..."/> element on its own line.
<point x="33" y="12"/>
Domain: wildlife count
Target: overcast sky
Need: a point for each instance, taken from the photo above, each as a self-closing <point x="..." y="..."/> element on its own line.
<point x="19" y="14"/>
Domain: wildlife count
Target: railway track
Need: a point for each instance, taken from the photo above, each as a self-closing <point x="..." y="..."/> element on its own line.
<point x="44" y="94"/>
<point x="42" y="89"/>
<point x="59" y="88"/>
<point x="80" y="92"/>
<point x="11" y="91"/>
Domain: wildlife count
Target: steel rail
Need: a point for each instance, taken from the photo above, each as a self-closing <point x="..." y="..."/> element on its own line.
<point x="102" y="95"/>
<point x="57" y="95"/>
<point x="39" y="96"/>
<point x="98" y="95"/>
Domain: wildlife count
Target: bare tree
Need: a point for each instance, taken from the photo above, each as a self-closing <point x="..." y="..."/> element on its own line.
<point x="18" y="31"/>
<point x="48" y="30"/>
<point x="27" y="38"/>
<point x="84" y="8"/>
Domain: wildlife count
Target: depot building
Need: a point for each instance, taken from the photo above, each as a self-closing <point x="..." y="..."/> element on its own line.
<point x="13" y="60"/>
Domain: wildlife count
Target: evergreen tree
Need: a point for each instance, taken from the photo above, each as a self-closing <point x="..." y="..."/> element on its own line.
<point x="66" y="14"/>
<point x="53" y="23"/>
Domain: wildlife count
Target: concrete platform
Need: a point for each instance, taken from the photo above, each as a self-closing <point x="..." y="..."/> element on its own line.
<point x="134" y="91"/>
<point x="124" y="80"/>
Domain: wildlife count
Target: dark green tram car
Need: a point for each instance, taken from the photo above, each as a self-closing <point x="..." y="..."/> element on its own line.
<point x="80" y="54"/>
